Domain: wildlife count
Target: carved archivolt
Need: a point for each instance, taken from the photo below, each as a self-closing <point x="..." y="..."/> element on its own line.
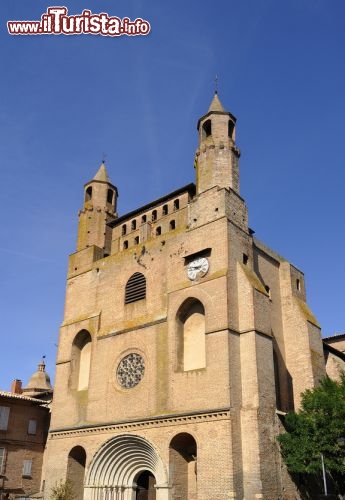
<point x="118" y="463"/>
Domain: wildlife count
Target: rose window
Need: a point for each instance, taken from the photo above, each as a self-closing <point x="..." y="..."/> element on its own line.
<point x="130" y="370"/>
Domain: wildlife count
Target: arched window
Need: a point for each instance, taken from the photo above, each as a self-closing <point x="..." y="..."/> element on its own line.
<point x="81" y="359"/>
<point x="176" y="204"/>
<point x="165" y="210"/>
<point x="110" y="196"/>
<point x="125" y="245"/>
<point x="231" y="128"/>
<point x="154" y="215"/>
<point x="191" y="338"/>
<point x="158" y="231"/>
<point x="206" y="129"/>
<point x="183" y="466"/>
<point x="136" y="240"/>
<point x="124" y="230"/>
<point x="76" y="470"/>
<point x="143" y="219"/>
<point x="88" y="193"/>
<point x="133" y="224"/>
<point x="172" y="224"/>
<point x="135" y="288"/>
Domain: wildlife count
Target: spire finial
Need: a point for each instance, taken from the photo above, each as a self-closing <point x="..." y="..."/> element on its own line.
<point x="104" y="157"/>
<point x="42" y="365"/>
<point x="216" y="84"/>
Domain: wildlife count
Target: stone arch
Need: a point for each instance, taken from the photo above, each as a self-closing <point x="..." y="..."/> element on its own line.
<point x="116" y="466"/>
<point x="191" y="339"/>
<point x="110" y="196"/>
<point x="206" y="129"/>
<point x="81" y="360"/>
<point x="88" y="194"/>
<point x="76" y="470"/>
<point x="183" y="466"/>
<point x="231" y="129"/>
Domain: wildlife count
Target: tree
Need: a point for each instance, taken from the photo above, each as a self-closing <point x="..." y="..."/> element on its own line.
<point x="62" y="491"/>
<point x="316" y="429"/>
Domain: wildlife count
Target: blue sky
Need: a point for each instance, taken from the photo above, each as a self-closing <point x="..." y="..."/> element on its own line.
<point x="67" y="99"/>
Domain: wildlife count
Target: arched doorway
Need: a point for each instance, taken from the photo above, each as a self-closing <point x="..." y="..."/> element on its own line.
<point x="123" y="468"/>
<point x="145" y="486"/>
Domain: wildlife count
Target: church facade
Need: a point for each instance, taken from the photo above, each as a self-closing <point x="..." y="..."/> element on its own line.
<point x="183" y="340"/>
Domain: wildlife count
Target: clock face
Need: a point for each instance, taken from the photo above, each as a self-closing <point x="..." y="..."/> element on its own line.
<point x="197" y="268"/>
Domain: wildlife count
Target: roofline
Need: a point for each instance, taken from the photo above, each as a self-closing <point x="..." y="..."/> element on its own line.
<point x="96" y="181"/>
<point x="209" y="113"/>
<point x="189" y="187"/>
<point x="333" y="350"/>
<point x="13" y="395"/>
<point x="334" y="337"/>
<point x="274" y="255"/>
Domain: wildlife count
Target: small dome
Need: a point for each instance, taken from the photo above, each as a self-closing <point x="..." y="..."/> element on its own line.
<point x="39" y="382"/>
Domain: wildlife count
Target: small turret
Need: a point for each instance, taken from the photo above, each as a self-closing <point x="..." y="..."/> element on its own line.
<point x="100" y="200"/>
<point x="217" y="155"/>
<point x="39" y="385"/>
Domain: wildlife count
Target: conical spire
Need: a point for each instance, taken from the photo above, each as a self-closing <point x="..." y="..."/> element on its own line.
<point x="216" y="105"/>
<point x="102" y="174"/>
<point x="100" y="199"/>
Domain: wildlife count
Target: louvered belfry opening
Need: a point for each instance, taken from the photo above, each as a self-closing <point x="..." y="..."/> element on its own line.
<point x="135" y="288"/>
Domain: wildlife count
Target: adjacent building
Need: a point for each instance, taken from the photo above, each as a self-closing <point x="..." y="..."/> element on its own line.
<point x="24" y="423"/>
<point x="334" y="350"/>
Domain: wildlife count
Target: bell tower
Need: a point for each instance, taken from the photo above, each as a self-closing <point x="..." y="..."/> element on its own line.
<point x="217" y="155"/>
<point x="100" y="200"/>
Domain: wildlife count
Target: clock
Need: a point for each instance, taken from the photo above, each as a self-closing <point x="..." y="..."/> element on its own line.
<point x="197" y="268"/>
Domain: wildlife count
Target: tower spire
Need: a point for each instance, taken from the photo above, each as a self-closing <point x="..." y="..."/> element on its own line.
<point x="100" y="200"/>
<point x="216" y="105"/>
<point x="102" y="174"/>
<point x="217" y="155"/>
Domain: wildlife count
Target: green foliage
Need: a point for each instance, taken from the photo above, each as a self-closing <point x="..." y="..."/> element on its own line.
<point x="315" y="429"/>
<point x="62" y="490"/>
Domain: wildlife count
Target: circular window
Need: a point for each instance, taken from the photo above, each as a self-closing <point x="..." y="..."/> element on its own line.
<point x="130" y="370"/>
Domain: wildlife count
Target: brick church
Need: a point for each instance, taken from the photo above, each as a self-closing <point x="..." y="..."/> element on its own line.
<point x="184" y="340"/>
